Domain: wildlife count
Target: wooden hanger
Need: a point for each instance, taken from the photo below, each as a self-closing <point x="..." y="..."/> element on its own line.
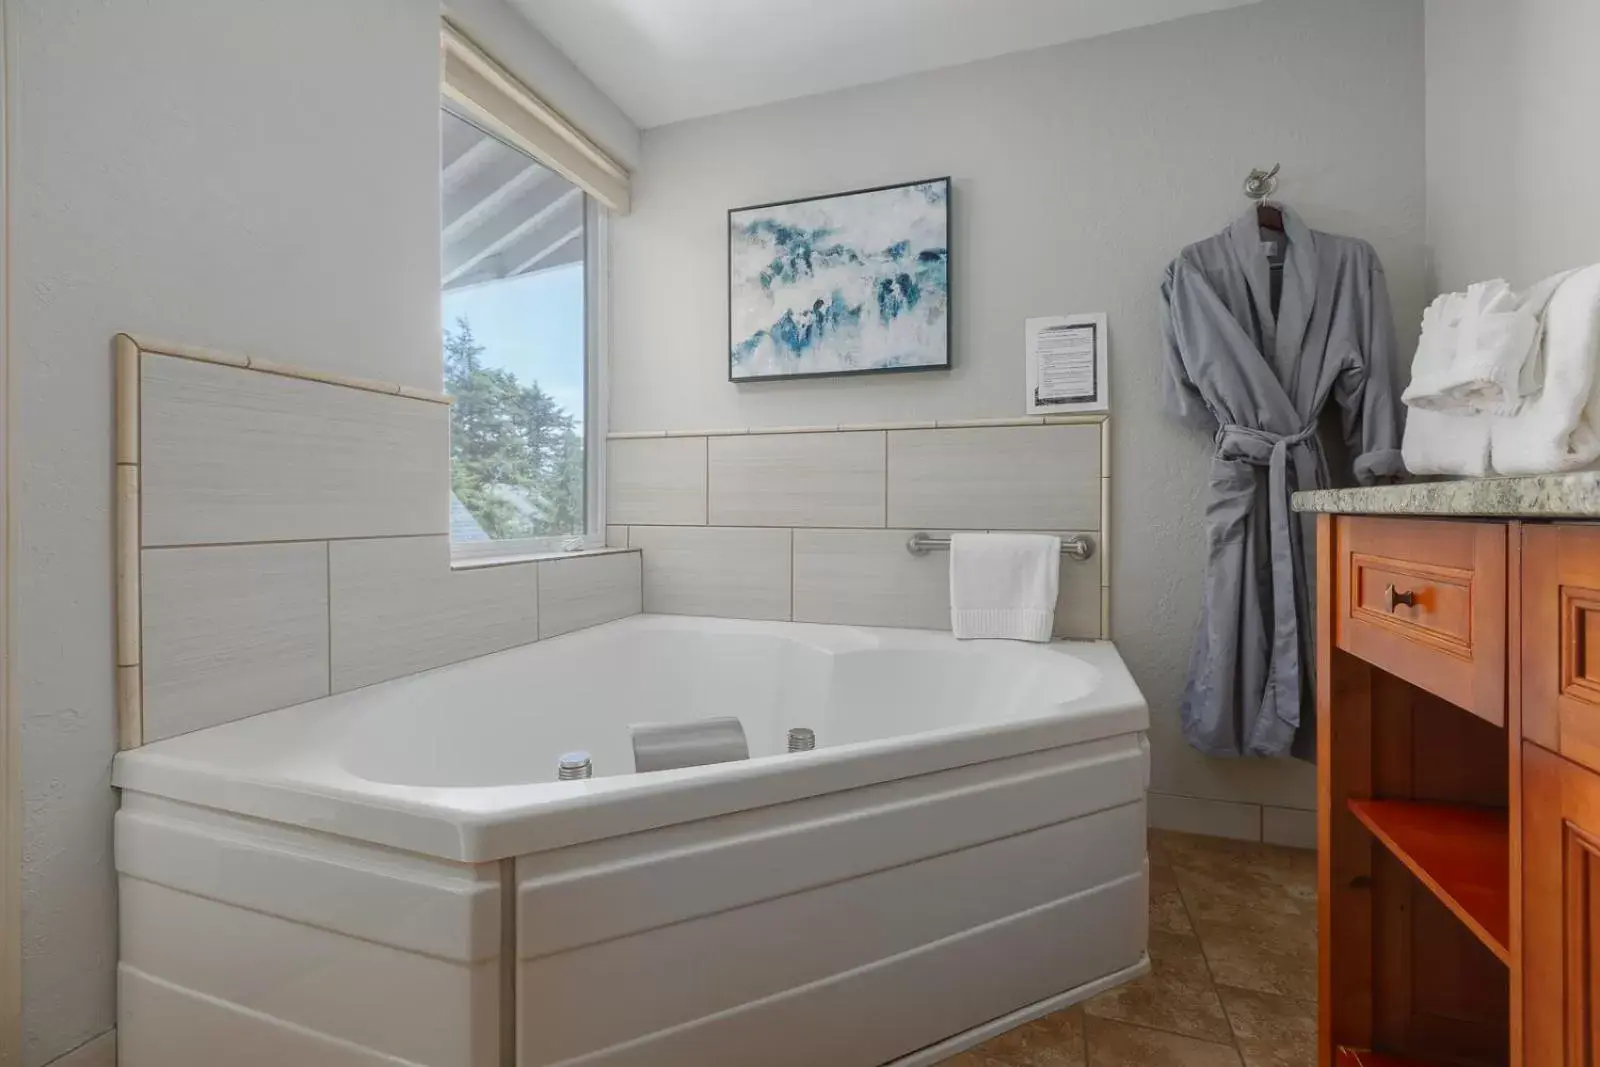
<point x="1269" y="217"/>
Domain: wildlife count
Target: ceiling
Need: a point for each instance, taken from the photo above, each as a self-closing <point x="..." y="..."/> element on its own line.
<point x="666" y="60"/>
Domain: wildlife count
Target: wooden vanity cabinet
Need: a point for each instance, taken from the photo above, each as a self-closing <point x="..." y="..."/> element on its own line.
<point x="1459" y="780"/>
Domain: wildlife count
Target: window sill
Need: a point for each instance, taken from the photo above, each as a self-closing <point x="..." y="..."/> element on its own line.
<point x="469" y="563"/>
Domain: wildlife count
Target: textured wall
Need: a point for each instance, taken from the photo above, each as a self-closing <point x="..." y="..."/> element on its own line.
<point x="1512" y="151"/>
<point x="1079" y="172"/>
<point x="256" y="177"/>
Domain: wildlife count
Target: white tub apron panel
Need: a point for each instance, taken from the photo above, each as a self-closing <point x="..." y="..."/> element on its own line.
<point x="393" y="876"/>
<point x="624" y="990"/>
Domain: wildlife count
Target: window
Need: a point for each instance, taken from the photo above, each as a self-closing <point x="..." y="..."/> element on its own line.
<point x="516" y="242"/>
<point x="525" y="201"/>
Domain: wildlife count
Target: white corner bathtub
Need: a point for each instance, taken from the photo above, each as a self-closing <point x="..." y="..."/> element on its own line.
<point x="393" y="875"/>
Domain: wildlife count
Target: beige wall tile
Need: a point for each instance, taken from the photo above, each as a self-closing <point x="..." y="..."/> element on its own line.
<point x="657" y="480"/>
<point x="586" y="591"/>
<point x="1011" y="478"/>
<point x="1217" y="818"/>
<point x="810" y="479"/>
<point x="231" y="455"/>
<point x="231" y="631"/>
<point x="1289" y="826"/>
<point x="731" y="572"/>
<point x="616" y="537"/>
<point x="398" y="608"/>
<point x="867" y="578"/>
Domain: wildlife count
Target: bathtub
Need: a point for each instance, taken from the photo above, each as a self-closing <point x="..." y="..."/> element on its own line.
<point x="393" y="875"/>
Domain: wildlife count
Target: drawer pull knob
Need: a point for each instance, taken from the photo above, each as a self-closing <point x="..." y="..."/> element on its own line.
<point x="1396" y="598"/>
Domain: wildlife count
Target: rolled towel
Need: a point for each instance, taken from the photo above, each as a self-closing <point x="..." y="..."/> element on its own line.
<point x="1559" y="428"/>
<point x="1004" y="585"/>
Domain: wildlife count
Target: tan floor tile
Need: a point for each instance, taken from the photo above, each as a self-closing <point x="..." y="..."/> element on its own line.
<point x="1156" y="849"/>
<point x="1167" y="912"/>
<point x="1056" y="1040"/>
<point x="1177" y="995"/>
<point x="1245" y="959"/>
<point x="1272" y="1031"/>
<point x="1296" y="932"/>
<point x="1114" y="1044"/>
<point x="972" y="1058"/>
<point x="1246" y="884"/>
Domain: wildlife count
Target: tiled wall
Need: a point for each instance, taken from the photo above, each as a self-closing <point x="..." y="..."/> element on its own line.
<point x="292" y="541"/>
<point x="811" y="524"/>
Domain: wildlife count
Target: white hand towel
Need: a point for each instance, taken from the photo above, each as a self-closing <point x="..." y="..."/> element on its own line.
<point x="1438" y="442"/>
<point x="1559" y="429"/>
<point x="1004" y="585"/>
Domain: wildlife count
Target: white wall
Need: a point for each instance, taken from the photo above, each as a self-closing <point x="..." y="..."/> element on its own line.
<point x="256" y="177"/>
<point x="1080" y="171"/>
<point x="1513" y="152"/>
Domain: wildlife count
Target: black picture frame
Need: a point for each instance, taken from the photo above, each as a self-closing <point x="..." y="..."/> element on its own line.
<point x="949" y="332"/>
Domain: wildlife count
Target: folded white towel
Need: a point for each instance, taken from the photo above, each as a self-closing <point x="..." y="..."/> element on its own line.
<point x="1434" y="362"/>
<point x="1437" y="442"/>
<point x="1559" y="429"/>
<point x="1477" y="349"/>
<point x="1004" y="585"/>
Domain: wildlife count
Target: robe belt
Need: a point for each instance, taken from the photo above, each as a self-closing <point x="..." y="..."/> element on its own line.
<point x="1262" y="448"/>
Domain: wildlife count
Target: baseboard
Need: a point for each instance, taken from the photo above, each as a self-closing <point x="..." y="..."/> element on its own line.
<point x="1214" y="818"/>
<point x="951" y="1046"/>
<point x="96" y="1052"/>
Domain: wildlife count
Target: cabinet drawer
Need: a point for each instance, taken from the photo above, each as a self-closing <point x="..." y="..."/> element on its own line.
<point x="1561" y="640"/>
<point x="1426" y="601"/>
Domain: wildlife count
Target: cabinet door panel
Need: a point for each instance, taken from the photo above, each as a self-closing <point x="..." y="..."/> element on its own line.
<point x="1561" y="911"/>
<point x="1561" y="640"/>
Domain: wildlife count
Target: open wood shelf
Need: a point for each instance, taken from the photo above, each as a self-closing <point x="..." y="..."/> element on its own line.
<point x="1461" y="854"/>
<point x="1349" y="1057"/>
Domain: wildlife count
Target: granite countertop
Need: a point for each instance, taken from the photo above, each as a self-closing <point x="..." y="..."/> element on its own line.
<point x="1530" y="496"/>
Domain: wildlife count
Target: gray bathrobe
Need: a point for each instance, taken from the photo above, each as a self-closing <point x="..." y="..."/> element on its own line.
<point x="1257" y="377"/>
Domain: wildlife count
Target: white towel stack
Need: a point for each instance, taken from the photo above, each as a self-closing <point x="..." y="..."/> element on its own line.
<point x="1004" y="585"/>
<point x="1503" y="381"/>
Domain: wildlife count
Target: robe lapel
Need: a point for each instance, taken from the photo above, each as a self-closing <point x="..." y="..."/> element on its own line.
<point x="1245" y="235"/>
<point x="1299" y="297"/>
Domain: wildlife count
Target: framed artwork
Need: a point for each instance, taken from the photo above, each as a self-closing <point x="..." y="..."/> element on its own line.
<point x="852" y="283"/>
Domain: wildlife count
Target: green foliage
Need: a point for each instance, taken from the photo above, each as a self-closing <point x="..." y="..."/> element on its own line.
<point x="516" y="456"/>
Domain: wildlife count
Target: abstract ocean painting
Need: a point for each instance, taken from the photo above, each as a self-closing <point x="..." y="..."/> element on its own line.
<point x="853" y="283"/>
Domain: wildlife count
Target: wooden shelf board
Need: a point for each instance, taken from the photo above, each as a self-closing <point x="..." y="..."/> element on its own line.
<point x="1349" y="1057"/>
<point x="1461" y="854"/>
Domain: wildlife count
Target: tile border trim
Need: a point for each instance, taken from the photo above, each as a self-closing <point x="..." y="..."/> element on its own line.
<point x="1099" y="418"/>
<point x="282" y="370"/>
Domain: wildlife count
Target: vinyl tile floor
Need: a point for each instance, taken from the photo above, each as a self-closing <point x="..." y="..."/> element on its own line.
<point x="1233" y="952"/>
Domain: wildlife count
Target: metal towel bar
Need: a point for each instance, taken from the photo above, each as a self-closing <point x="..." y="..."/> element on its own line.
<point x="920" y="544"/>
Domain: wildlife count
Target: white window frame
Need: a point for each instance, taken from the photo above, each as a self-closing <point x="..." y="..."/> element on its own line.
<point x="596" y="402"/>
<point x="489" y="96"/>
